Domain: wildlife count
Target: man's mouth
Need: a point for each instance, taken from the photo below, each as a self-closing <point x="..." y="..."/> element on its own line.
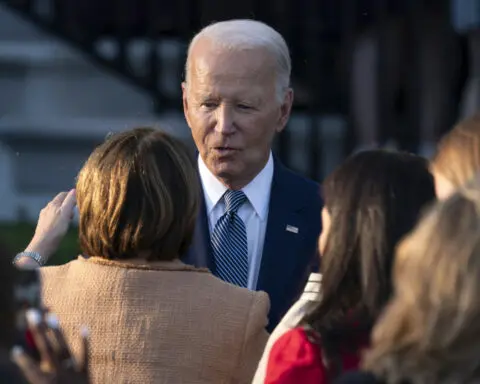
<point x="225" y="149"/>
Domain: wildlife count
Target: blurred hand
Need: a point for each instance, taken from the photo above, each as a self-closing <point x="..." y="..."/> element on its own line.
<point x="53" y="224"/>
<point x="57" y="365"/>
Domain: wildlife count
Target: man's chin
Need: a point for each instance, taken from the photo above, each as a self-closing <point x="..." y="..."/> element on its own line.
<point x="225" y="170"/>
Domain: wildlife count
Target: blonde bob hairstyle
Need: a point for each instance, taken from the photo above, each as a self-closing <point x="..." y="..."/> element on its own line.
<point x="458" y="153"/>
<point x="430" y="330"/>
<point x="138" y="196"/>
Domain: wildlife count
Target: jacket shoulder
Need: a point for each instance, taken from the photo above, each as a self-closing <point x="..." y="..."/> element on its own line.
<point x="307" y="188"/>
<point x="231" y="295"/>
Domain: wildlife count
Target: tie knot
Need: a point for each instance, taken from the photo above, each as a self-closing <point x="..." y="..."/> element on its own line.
<point x="234" y="200"/>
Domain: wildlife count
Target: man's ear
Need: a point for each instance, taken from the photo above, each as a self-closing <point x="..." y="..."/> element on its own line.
<point x="285" y="110"/>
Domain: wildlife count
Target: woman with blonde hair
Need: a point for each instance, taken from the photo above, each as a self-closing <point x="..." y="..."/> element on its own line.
<point x="430" y="330"/>
<point x="457" y="159"/>
<point x="152" y="318"/>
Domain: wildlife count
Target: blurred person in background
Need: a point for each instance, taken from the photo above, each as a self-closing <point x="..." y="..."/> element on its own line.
<point x="11" y="319"/>
<point x="429" y="332"/>
<point x="380" y="94"/>
<point x="153" y="319"/>
<point x="258" y="221"/>
<point x="466" y="21"/>
<point x="372" y="200"/>
<point x="55" y="363"/>
<point x="27" y="347"/>
<point x="457" y="160"/>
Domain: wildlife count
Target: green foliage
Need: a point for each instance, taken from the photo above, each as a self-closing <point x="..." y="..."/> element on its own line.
<point x="16" y="237"/>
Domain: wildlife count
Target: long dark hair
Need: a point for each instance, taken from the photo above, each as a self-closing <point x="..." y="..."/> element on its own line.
<point x="374" y="198"/>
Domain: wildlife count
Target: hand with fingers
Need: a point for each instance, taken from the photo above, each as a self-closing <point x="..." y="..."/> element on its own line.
<point x="53" y="223"/>
<point x="57" y="365"/>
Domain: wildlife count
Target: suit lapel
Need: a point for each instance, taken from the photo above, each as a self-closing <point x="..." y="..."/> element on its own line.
<point x="281" y="245"/>
<point x="283" y="236"/>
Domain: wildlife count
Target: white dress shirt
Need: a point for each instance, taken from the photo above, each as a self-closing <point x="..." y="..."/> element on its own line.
<point x="253" y="212"/>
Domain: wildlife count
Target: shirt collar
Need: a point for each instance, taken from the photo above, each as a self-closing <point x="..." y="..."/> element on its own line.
<point x="257" y="191"/>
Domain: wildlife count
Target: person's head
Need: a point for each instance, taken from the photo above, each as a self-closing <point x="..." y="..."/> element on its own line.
<point x="430" y="330"/>
<point x="137" y="194"/>
<point x="457" y="159"/>
<point x="237" y="96"/>
<point x="371" y="200"/>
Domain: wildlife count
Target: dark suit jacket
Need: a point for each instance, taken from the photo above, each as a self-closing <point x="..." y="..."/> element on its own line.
<point x="287" y="257"/>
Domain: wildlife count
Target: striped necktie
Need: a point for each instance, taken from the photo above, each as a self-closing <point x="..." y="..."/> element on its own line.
<point x="229" y="242"/>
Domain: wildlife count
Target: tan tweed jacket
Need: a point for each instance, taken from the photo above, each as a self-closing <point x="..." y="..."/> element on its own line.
<point x="158" y="323"/>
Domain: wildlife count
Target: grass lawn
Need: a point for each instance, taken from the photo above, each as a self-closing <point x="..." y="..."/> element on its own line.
<point x="16" y="237"/>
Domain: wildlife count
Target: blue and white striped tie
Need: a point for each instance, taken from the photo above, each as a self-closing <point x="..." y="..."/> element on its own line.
<point x="229" y="242"/>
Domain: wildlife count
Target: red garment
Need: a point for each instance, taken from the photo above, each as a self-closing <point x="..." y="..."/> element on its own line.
<point x="295" y="359"/>
<point x="30" y="340"/>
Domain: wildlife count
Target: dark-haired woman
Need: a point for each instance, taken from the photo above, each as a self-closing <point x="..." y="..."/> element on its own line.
<point x="372" y="200"/>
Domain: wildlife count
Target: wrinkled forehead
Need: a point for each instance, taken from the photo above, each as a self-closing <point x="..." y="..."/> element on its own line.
<point x="211" y="65"/>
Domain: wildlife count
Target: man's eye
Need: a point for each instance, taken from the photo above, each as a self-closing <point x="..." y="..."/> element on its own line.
<point x="243" y="106"/>
<point x="209" y="105"/>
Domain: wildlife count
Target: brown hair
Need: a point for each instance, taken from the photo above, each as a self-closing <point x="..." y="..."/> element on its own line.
<point x="138" y="193"/>
<point x="374" y="199"/>
<point x="430" y="331"/>
<point x="458" y="153"/>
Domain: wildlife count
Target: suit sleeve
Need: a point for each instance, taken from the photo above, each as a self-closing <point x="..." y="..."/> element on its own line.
<point x="255" y="337"/>
<point x="294" y="359"/>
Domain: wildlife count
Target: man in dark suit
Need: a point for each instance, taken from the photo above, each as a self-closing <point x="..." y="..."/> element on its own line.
<point x="259" y="224"/>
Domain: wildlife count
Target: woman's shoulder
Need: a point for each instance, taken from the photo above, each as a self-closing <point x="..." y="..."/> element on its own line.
<point x="295" y="358"/>
<point x="133" y="266"/>
<point x="234" y="295"/>
<point x="302" y="336"/>
<point x="55" y="270"/>
<point x="298" y="344"/>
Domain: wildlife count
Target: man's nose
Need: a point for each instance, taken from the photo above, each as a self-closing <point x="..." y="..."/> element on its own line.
<point x="225" y="123"/>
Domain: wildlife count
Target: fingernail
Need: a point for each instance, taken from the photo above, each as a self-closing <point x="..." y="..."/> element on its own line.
<point x="16" y="351"/>
<point x="84" y="331"/>
<point x="33" y="316"/>
<point x="52" y="321"/>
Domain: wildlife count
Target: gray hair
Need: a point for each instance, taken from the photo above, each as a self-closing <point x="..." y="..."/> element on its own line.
<point x="245" y="34"/>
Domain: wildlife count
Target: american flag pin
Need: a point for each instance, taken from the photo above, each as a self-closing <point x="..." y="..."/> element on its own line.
<point x="291" y="228"/>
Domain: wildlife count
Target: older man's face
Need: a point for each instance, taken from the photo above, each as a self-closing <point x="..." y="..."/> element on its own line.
<point x="231" y="107"/>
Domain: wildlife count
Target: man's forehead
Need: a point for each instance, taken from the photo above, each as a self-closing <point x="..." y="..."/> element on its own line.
<point x="232" y="84"/>
<point x="232" y="93"/>
<point x="217" y="62"/>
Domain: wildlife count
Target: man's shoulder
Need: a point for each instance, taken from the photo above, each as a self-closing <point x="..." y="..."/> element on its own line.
<point x="298" y="182"/>
<point x="302" y="180"/>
